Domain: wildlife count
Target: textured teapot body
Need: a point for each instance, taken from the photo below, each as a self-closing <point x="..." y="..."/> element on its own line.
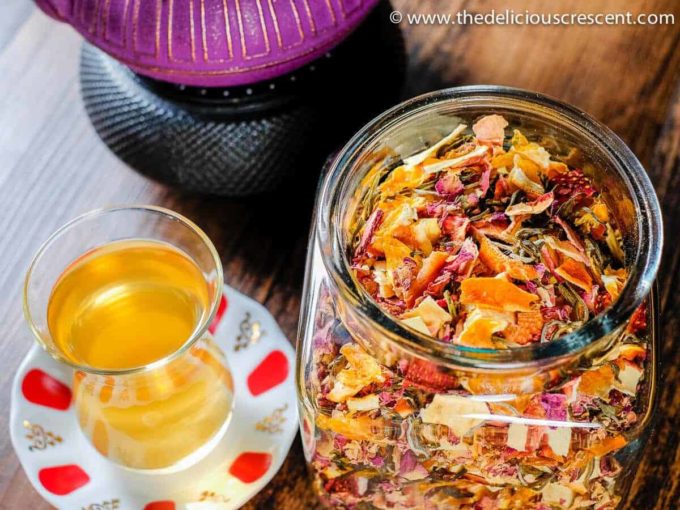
<point x="212" y="42"/>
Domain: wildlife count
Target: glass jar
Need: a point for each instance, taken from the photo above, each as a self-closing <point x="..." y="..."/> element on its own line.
<point x="418" y="423"/>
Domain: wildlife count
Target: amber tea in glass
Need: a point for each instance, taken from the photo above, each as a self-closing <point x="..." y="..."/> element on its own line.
<point x="129" y="312"/>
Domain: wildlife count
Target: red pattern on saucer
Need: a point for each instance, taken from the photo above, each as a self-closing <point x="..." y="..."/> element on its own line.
<point x="41" y="388"/>
<point x="62" y="480"/>
<point x="160" y="505"/>
<point x="251" y="466"/>
<point x="271" y="372"/>
<point x="220" y="312"/>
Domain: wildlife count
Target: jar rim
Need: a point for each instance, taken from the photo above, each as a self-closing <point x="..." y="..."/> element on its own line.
<point x="644" y="264"/>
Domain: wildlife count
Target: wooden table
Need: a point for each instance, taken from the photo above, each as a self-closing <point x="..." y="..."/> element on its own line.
<point x="53" y="167"/>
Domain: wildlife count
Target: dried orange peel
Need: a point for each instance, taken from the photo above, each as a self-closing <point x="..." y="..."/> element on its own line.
<point x="575" y="272"/>
<point x="497" y="294"/>
<point x="498" y="262"/>
<point x="479" y="327"/>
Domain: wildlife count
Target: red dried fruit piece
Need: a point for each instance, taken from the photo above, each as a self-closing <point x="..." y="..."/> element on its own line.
<point x="638" y="321"/>
<point x="602" y="301"/>
<point x="598" y="232"/>
<point x="569" y="184"/>
<point x="528" y="328"/>
<point x="455" y="227"/>
<point x="427" y="376"/>
<point x="336" y="485"/>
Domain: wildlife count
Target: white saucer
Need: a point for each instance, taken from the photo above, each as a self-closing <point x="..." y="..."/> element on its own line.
<point x="71" y="475"/>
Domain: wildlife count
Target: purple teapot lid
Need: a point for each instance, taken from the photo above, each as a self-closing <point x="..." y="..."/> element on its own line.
<point x="212" y="43"/>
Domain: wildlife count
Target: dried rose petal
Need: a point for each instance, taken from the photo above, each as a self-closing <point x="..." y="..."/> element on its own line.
<point x="449" y="186"/>
<point x="371" y="226"/>
<point x="491" y="129"/>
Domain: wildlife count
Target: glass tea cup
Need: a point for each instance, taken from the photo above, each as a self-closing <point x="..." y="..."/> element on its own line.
<point x="125" y="296"/>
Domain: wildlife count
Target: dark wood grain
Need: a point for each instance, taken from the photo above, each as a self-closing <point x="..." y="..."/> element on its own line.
<point x="53" y="167"/>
